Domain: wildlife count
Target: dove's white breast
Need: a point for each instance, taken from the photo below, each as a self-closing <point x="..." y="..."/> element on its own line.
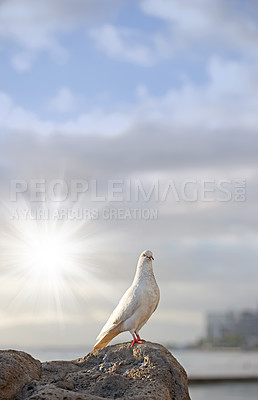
<point x="144" y="298"/>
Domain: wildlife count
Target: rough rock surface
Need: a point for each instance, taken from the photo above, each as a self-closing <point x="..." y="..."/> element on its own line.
<point x="145" y="372"/>
<point x="16" y="369"/>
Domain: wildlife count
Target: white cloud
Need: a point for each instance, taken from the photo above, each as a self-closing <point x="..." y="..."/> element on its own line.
<point x="122" y="44"/>
<point x="227" y="102"/>
<point x="98" y="121"/>
<point x="141" y="91"/>
<point x="212" y="25"/>
<point x="206" y="126"/>
<point x="194" y="15"/>
<point x="65" y="101"/>
<point x="233" y="77"/>
<point x="192" y="26"/>
<point x="22" y="61"/>
<point x="35" y="26"/>
<point x="6" y="105"/>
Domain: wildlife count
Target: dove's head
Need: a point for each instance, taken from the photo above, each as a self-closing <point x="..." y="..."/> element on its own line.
<point x="147" y="254"/>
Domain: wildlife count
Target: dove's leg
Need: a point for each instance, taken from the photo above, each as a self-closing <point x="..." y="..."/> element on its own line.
<point x="136" y="339"/>
<point x="141" y="340"/>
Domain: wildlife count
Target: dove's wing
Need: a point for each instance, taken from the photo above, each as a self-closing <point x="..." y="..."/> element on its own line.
<point x="124" y="310"/>
<point x="157" y="302"/>
<point x="126" y="307"/>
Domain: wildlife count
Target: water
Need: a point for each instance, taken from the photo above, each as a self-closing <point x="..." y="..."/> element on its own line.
<point x="224" y="391"/>
<point x="220" y="364"/>
<point x="197" y="364"/>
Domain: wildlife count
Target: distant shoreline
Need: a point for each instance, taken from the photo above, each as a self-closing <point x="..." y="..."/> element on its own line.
<point x="222" y="379"/>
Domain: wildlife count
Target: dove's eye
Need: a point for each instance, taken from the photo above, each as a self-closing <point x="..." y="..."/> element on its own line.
<point x="144" y="255"/>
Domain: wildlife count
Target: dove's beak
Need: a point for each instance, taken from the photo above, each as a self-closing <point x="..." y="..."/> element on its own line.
<point x="151" y="257"/>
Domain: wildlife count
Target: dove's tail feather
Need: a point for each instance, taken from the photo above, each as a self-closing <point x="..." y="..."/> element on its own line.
<point x="106" y="337"/>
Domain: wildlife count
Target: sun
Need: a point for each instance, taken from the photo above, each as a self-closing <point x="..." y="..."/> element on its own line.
<point x="49" y="264"/>
<point x="49" y="255"/>
<point x="51" y="270"/>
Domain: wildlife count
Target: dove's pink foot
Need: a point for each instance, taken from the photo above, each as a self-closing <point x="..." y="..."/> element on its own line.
<point x="137" y="339"/>
<point x="142" y="340"/>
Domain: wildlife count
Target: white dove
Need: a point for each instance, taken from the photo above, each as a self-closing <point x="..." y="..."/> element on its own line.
<point x="135" y="307"/>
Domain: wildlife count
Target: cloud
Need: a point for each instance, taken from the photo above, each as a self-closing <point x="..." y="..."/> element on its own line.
<point x="198" y="25"/>
<point x="33" y="27"/>
<point x="196" y="131"/>
<point x="6" y="105"/>
<point x="199" y="251"/>
<point x="22" y="61"/>
<point x="227" y="103"/>
<point x="191" y="28"/>
<point x="121" y="44"/>
<point x="14" y="118"/>
<point x="65" y="101"/>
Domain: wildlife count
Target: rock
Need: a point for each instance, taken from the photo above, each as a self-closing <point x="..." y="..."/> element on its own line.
<point x="145" y="372"/>
<point x="16" y="370"/>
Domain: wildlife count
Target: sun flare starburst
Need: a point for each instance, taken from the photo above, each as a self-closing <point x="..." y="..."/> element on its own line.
<point x="49" y="266"/>
<point x="49" y="255"/>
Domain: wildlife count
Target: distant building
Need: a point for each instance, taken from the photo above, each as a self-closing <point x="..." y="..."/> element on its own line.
<point x="233" y="329"/>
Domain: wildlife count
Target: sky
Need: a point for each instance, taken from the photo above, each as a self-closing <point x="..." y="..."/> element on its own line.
<point x="125" y="126"/>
